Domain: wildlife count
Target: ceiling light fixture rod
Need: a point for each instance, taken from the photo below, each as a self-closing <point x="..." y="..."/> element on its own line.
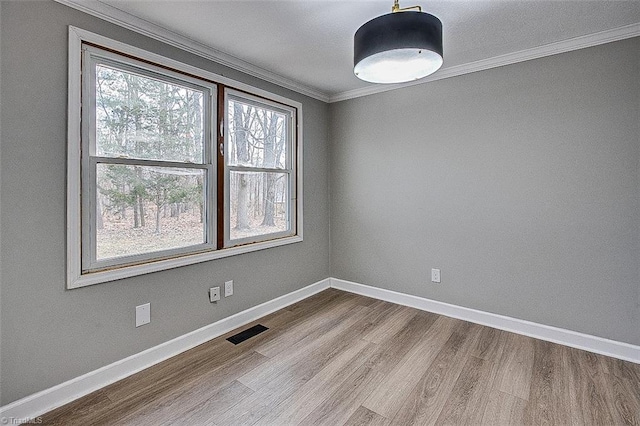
<point x="396" y="7"/>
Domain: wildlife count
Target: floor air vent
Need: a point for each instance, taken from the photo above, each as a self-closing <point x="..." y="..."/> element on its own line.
<point x="247" y="334"/>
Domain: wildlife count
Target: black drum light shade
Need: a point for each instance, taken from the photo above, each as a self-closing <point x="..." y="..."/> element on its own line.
<point x="398" y="47"/>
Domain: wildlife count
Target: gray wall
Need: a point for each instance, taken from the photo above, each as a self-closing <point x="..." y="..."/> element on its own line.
<point x="521" y="183"/>
<point x="50" y="335"/>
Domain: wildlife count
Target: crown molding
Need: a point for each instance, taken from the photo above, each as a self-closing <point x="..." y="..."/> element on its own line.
<point x="576" y="43"/>
<point x="141" y="26"/>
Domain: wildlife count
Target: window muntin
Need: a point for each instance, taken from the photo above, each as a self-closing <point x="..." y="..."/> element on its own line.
<point x="259" y="176"/>
<point x="90" y="257"/>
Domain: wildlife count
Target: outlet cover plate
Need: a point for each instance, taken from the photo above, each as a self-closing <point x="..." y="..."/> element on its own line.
<point x="214" y="294"/>
<point x="228" y="288"/>
<point x="435" y="275"/>
<point x="143" y="314"/>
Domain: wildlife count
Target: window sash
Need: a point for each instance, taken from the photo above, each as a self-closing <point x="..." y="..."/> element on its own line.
<point x="90" y="261"/>
<point x="92" y="57"/>
<point x="288" y="112"/>
<point x="291" y="154"/>
<point x="229" y="242"/>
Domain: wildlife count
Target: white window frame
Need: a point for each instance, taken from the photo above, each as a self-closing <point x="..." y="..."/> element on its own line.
<point x="288" y="170"/>
<point x="77" y="166"/>
<point x="93" y="56"/>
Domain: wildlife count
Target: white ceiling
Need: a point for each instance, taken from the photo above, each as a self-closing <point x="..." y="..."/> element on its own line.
<point x="308" y="44"/>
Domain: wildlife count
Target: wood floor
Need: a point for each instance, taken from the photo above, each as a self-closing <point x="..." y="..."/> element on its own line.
<point x="342" y="359"/>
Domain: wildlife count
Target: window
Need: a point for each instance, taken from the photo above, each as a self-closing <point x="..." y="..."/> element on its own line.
<point x="170" y="165"/>
<point x="259" y="190"/>
<point x="147" y="167"/>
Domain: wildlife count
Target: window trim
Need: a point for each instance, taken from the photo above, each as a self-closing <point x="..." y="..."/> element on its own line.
<point x="75" y="277"/>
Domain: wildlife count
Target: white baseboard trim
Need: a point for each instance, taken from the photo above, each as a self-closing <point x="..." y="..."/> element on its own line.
<point x="41" y="402"/>
<point x="612" y="348"/>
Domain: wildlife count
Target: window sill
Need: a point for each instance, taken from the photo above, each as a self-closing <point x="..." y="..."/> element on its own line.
<point x="176" y="262"/>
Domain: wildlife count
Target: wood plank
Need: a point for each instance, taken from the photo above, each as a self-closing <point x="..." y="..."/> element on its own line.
<point x="468" y="399"/>
<point x="392" y="324"/>
<point x="308" y="329"/>
<point x="516" y="366"/>
<point x="241" y="413"/>
<point x="292" y="320"/>
<point x="387" y="399"/>
<point x="319" y="302"/>
<point x="587" y="389"/>
<point x="183" y="399"/>
<point x="282" y="377"/>
<point x="624" y="396"/>
<point x="503" y="409"/>
<point x="392" y="350"/>
<point x="324" y="372"/>
<point x="203" y="413"/>
<point x="80" y="411"/>
<point x="308" y="350"/>
<point x="490" y="344"/>
<point x="363" y="416"/>
<point x="370" y="301"/>
<point x="623" y="369"/>
<point x="549" y="401"/>
<point x="310" y="395"/>
<point x="341" y="405"/>
<point x="429" y="396"/>
<point x="139" y="390"/>
<point x="132" y="397"/>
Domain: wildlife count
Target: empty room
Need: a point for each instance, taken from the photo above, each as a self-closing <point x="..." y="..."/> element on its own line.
<point x="318" y="212"/>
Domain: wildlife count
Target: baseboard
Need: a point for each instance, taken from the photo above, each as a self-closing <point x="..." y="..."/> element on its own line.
<point x="612" y="348"/>
<point x="41" y="402"/>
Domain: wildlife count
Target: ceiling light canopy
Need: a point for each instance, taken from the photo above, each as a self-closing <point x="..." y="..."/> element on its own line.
<point x="401" y="46"/>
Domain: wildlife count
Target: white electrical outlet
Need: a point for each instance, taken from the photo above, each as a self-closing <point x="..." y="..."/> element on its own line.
<point x="143" y="314"/>
<point x="228" y="288"/>
<point x="435" y="275"/>
<point x="214" y="294"/>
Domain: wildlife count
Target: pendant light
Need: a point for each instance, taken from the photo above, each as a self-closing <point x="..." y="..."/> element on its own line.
<point x="401" y="46"/>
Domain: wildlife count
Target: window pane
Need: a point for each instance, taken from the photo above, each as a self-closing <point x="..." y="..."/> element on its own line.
<point x="259" y="204"/>
<point x="145" y="209"/>
<point x="257" y="136"/>
<point x="142" y="117"/>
